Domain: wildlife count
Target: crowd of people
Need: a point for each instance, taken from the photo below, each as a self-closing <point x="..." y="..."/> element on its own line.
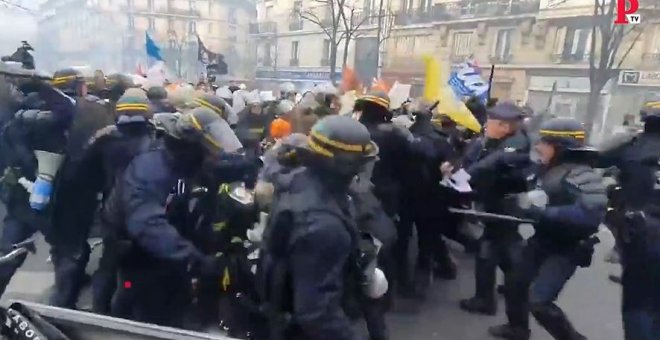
<point x="283" y="219"/>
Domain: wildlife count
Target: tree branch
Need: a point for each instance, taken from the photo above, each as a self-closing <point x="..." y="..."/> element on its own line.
<point x="313" y="18"/>
<point x="632" y="45"/>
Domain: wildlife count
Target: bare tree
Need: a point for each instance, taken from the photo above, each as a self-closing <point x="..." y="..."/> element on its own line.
<point x="339" y="22"/>
<point x="610" y="46"/>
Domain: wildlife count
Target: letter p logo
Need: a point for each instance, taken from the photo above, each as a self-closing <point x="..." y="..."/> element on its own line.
<point x="627" y="15"/>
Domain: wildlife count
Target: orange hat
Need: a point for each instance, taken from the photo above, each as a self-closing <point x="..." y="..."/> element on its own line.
<point x="280" y="128"/>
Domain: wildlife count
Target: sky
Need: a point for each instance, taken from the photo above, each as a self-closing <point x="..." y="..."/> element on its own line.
<point x="16" y="25"/>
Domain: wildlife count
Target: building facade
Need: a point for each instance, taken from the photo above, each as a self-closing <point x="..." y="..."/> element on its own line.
<point x="110" y="34"/>
<point x="294" y="39"/>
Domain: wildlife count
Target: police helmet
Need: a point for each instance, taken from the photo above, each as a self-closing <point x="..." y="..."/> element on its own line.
<point x="132" y="107"/>
<point x="650" y="111"/>
<point x="377" y="102"/>
<point x="566" y="133"/>
<point x="117" y="84"/>
<point x="215" y="103"/>
<point x="68" y="80"/>
<point x="340" y="144"/>
<point x="200" y="125"/>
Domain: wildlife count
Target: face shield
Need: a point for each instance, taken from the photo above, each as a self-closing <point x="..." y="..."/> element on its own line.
<point x="218" y="136"/>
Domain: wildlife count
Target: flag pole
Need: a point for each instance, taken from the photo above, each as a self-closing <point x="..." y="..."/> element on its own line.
<point x="490" y="79"/>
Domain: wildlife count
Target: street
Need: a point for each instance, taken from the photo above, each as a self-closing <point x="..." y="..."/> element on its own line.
<point x="590" y="300"/>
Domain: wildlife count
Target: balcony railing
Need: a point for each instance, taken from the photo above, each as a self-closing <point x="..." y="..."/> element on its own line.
<point x="568" y="58"/>
<point x="491" y="8"/>
<point x="263" y="27"/>
<point x="179" y="12"/>
<point x="459" y="58"/>
<point x="501" y="59"/>
<point x="293" y="62"/>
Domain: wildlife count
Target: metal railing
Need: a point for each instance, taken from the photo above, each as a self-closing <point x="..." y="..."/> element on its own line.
<point x="263" y="27"/>
<point x="467" y="10"/>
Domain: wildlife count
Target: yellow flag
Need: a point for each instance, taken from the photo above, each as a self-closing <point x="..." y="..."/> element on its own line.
<point x="437" y="89"/>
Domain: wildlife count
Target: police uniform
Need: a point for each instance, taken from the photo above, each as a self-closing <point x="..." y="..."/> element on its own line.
<point x="636" y="219"/>
<point x="428" y="199"/>
<point x="576" y="204"/>
<point x="496" y="170"/>
<point x="70" y="254"/>
<point x="153" y="269"/>
<point x="308" y="266"/>
<point x="104" y="158"/>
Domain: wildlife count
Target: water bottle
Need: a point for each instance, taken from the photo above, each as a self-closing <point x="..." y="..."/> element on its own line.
<point x="41" y="191"/>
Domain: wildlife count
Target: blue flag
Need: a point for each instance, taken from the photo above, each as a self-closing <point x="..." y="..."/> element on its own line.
<point x="466" y="81"/>
<point x="153" y="50"/>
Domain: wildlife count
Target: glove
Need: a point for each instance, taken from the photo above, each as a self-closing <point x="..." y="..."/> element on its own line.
<point x="41" y="191"/>
<point x="537" y="198"/>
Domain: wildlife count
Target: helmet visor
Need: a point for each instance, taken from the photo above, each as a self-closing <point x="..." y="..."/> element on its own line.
<point x="219" y="136"/>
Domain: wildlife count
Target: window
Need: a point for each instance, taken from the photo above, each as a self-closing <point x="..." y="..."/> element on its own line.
<point x="129" y="3"/>
<point x="294" y="51"/>
<point x="462" y="46"/>
<point x="131" y="21"/>
<point x="268" y="60"/>
<point x="152" y="24"/>
<point x="656" y="40"/>
<point x="210" y="28"/>
<point x="502" y="46"/>
<point x="170" y="24"/>
<point x="297" y="5"/>
<point x="192" y="5"/>
<point x="151" y="5"/>
<point x="577" y="44"/>
<point x="192" y="27"/>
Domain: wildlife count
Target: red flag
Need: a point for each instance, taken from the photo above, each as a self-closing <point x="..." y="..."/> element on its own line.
<point x="349" y="81"/>
<point x="380" y="85"/>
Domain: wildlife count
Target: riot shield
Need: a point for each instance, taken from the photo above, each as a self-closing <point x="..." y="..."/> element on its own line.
<point x="81" y="325"/>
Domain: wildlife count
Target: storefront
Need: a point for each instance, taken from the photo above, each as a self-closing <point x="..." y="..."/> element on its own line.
<point x="634" y="89"/>
<point x="303" y="79"/>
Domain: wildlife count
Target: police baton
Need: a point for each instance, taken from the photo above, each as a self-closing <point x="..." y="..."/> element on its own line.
<point x="488" y="216"/>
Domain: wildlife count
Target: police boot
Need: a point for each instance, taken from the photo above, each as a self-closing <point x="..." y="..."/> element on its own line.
<point x="509" y="332"/>
<point x="477" y="305"/>
<point x="553" y="319"/>
<point x="484" y="302"/>
<point x="445" y="267"/>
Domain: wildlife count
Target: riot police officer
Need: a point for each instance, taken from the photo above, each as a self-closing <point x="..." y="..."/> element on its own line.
<point x="70" y="255"/>
<point x="428" y="199"/>
<point x="34" y="144"/>
<point x="155" y="257"/>
<point x="495" y="164"/>
<point x="567" y="207"/>
<point x="636" y="218"/>
<point x="308" y="262"/>
<point x="105" y="157"/>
